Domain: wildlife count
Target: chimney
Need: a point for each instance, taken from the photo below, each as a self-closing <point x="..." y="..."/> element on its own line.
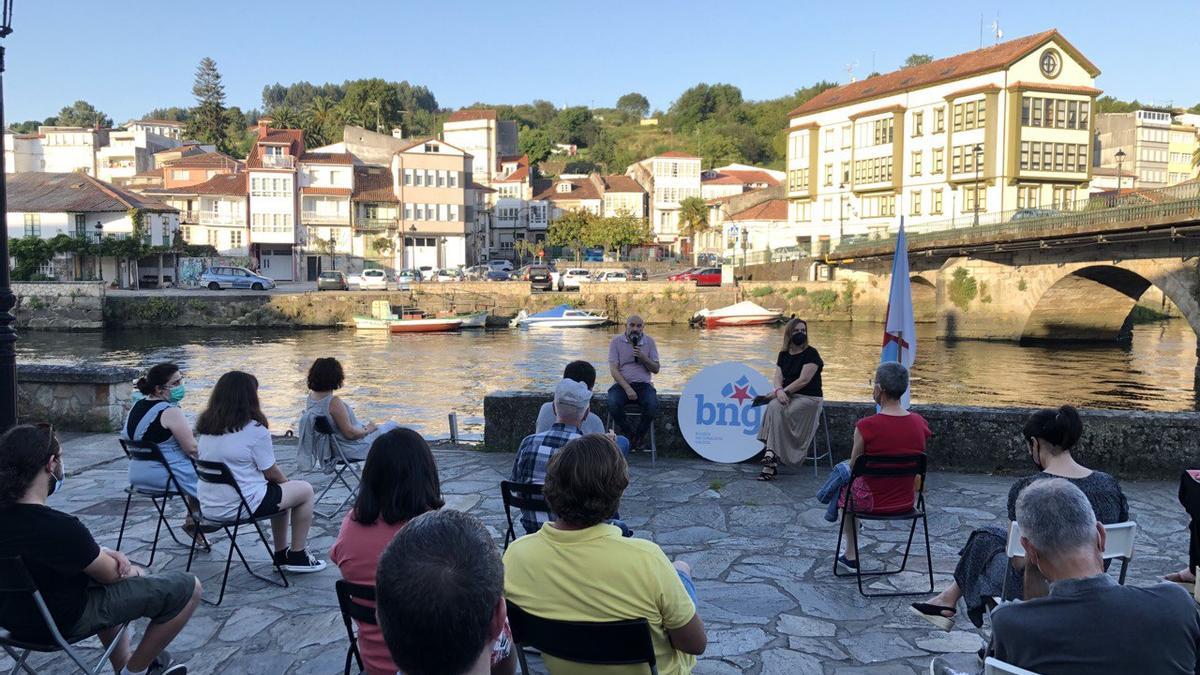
<point x="264" y="124"/>
<point x="397" y="132"/>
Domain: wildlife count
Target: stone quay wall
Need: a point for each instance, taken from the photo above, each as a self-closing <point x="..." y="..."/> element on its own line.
<point x="74" y="398"/>
<point x="59" y="305"/>
<point x="1126" y="444"/>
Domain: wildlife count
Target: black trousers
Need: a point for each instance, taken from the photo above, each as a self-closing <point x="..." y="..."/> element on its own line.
<point x="1189" y="497"/>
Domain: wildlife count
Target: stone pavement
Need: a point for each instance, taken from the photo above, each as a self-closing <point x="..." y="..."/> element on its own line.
<point x="761" y="555"/>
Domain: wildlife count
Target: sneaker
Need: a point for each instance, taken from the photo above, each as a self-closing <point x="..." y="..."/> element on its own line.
<point x="163" y="664"/>
<point x="940" y="666"/>
<point x="851" y="565"/>
<point x="301" y="562"/>
<point x="280" y="558"/>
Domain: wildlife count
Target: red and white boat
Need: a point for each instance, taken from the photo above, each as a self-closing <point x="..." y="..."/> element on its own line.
<point x="742" y="314"/>
<point x="416" y="325"/>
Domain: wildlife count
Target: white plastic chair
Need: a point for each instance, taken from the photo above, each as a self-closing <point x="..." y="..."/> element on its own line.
<point x="994" y="666"/>
<point x="1118" y="544"/>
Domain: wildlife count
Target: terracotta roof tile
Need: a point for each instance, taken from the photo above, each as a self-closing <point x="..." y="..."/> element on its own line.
<point x="676" y="154"/>
<point x="619" y="183"/>
<point x="749" y="177"/>
<point x="221" y="184"/>
<point x="722" y="179"/>
<point x="203" y="160"/>
<point x="39" y="192"/>
<point x="580" y="189"/>
<point x="327" y="158"/>
<point x="469" y="114"/>
<point x="327" y="191"/>
<point x="373" y="184"/>
<point x="772" y="209"/>
<point x="948" y="69"/>
<point x="294" y="138"/>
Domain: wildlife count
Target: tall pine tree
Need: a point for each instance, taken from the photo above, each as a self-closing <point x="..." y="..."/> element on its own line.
<point x="206" y="123"/>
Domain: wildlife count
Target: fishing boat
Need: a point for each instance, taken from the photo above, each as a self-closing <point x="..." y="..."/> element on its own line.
<point x="415" y="325"/>
<point x="562" y="316"/>
<point x="408" y="320"/>
<point x="473" y="319"/>
<point x="742" y="314"/>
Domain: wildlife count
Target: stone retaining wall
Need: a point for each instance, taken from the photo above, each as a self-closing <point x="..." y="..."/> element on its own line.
<point x="59" y="305"/>
<point x="1124" y="443"/>
<point x="74" y="398"/>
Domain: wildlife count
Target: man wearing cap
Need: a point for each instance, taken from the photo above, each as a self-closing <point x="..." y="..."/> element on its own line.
<point x="633" y="361"/>
<point x="571" y="402"/>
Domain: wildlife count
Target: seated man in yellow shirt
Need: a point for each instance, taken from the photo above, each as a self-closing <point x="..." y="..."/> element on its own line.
<point x="579" y="568"/>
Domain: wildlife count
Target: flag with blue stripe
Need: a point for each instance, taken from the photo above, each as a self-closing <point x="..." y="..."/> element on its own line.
<point x="899" y="332"/>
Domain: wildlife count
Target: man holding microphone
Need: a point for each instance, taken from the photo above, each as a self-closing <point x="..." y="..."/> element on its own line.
<point x="633" y="360"/>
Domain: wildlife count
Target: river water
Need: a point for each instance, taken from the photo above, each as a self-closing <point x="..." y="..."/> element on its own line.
<point x="418" y="379"/>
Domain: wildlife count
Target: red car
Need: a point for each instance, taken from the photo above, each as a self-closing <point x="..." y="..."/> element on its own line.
<point x="683" y="276"/>
<point x="702" y="276"/>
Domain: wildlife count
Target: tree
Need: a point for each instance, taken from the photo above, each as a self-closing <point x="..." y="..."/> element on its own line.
<point x="693" y="221"/>
<point x="206" y="121"/>
<point x="83" y="114"/>
<point x="615" y="232"/>
<point x="570" y="230"/>
<point x="382" y="245"/>
<point x="372" y="104"/>
<point x="916" y="60"/>
<point x="172" y="114"/>
<point x="1109" y="104"/>
<point x="30" y="253"/>
<point x="26" y="127"/>
<point x="285" y="117"/>
<point x="536" y="144"/>
<point x="576" y="126"/>
<point x="703" y="102"/>
<point x="321" y="122"/>
<point x="634" y="105"/>
<point x="326" y="247"/>
<point x="239" y="137"/>
<point x="1195" y="110"/>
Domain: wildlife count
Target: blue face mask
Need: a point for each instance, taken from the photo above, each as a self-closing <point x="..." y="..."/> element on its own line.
<point x="176" y="394"/>
<point x="58" y="481"/>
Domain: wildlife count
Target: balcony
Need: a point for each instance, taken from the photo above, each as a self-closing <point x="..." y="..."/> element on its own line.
<point x="278" y="162"/>
<point x="186" y="216"/>
<point x="210" y="218"/>
<point x="375" y="224"/>
<point x="324" y="218"/>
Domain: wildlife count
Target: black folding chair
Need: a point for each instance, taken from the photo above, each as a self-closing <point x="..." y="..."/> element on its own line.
<point x="348" y="594"/>
<point x="15" y="581"/>
<point x="605" y="643"/>
<point x="887" y="466"/>
<point x="633" y="412"/>
<point x="218" y="473"/>
<point x="146" y="451"/>
<point x="523" y="496"/>
<point x="323" y="427"/>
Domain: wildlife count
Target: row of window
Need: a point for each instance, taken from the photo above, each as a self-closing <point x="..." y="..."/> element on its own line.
<point x="879" y="206"/>
<point x="877" y="170"/>
<point x="1154" y="155"/>
<point x="270" y="187"/>
<point x="537" y="213"/>
<point x="875" y="132"/>
<point x="1062" y="198"/>
<point x="440" y="212"/>
<point x="1152" y="176"/>
<point x="798" y="180"/>
<point x="271" y="222"/>
<point x="970" y="115"/>
<point x="669" y="195"/>
<point x="667" y="168"/>
<point x="626" y="203"/>
<point x="963" y="159"/>
<point x="1180" y="158"/>
<point x="1066" y="157"/>
<point x="432" y="178"/>
<point x="1153" y="135"/>
<point x="1054" y="113"/>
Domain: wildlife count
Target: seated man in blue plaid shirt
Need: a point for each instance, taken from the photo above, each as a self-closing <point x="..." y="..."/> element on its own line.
<point x="571" y="402"/>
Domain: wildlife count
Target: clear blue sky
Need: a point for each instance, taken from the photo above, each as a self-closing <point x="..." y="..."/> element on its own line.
<point x="129" y="57"/>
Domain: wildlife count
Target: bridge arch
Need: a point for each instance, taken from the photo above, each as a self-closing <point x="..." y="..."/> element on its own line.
<point x="1093" y="302"/>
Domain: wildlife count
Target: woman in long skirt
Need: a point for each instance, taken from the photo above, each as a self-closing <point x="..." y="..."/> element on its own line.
<point x="791" y="418"/>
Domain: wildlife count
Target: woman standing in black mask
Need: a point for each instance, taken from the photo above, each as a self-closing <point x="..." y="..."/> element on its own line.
<point x="982" y="565"/>
<point x="790" y="420"/>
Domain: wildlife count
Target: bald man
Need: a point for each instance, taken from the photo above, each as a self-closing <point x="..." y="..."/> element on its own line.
<point x="633" y="361"/>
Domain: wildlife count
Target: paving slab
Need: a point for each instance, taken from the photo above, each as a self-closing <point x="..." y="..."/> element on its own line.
<point x="762" y="556"/>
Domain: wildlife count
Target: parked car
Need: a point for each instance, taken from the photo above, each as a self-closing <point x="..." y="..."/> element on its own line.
<point x="333" y="280"/>
<point x="638" y="274"/>
<point x="408" y="277"/>
<point x="501" y="264"/>
<point x="571" y="278"/>
<point x="427" y="272"/>
<point x="373" y="280"/>
<point x="613" y="275"/>
<point x="1030" y="214"/>
<point x="217" y="278"/>
<point x="521" y="273"/>
<point x="684" y="275"/>
<point x="448" y="274"/>
<point x="541" y="278"/>
<point x="499" y="275"/>
<point x="701" y="276"/>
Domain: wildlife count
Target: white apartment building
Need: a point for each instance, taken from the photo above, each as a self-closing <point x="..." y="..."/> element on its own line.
<point x="669" y="179"/>
<point x="515" y="212"/>
<point x="113" y="155"/>
<point x="276" y="241"/>
<point x="214" y="212"/>
<point x="130" y="152"/>
<point x="1006" y="127"/>
<point x="484" y="137"/>
<point x="166" y="128"/>
<point x="1143" y="136"/>
<point x="326" y="183"/>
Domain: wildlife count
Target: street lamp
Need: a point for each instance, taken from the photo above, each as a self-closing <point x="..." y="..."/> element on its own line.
<point x="745" y="244"/>
<point x="412" y="264"/>
<point x="8" y="335"/>
<point x="1120" y="160"/>
<point x="841" y="212"/>
<point x="978" y="151"/>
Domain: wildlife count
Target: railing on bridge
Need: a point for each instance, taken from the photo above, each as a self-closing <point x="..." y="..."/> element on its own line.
<point x="770" y="255"/>
<point x="1103" y="209"/>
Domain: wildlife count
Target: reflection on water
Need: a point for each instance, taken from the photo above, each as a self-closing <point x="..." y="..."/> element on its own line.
<point x="419" y="379"/>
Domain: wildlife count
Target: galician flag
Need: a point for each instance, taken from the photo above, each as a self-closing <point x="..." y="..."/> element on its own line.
<point x="900" y="333"/>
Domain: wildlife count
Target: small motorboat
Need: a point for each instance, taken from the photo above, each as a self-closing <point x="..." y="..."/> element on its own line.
<point x="371" y="323"/>
<point x="742" y="314"/>
<point x="408" y="320"/>
<point x="562" y="316"/>
<point x="473" y="319"/>
<point x="416" y="325"/>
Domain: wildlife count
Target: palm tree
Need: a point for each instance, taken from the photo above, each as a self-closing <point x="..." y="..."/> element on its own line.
<point x="320" y="119"/>
<point x="285" y="117"/>
<point x="693" y="221"/>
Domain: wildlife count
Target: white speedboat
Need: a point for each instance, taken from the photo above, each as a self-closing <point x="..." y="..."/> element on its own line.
<point x="562" y="316"/>
<point x="742" y="314"/>
<point x="473" y="319"/>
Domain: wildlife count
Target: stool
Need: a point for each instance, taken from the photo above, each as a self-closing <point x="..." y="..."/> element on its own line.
<point x="828" y="454"/>
<point x="634" y="412"/>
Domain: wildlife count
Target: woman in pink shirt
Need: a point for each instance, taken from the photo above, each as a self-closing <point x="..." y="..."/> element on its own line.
<point x="399" y="482"/>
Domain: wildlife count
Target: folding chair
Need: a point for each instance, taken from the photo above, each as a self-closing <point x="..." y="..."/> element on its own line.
<point x="523" y="496"/>
<point x="828" y="454"/>
<point x="218" y="473"/>
<point x="15" y="581"/>
<point x="146" y="451"/>
<point x="347" y="593"/>
<point x="634" y="412"/>
<point x="994" y="666"/>
<point x="323" y="427"/>
<point x="1118" y="545"/>
<point x="606" y="643"/>
<point x="888" y="466"/>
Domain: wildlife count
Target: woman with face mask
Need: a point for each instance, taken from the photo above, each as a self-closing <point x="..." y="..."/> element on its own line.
<point x="158" y="419"/>
<point x="790" y="420"/>
<point x="1050" y="435"/>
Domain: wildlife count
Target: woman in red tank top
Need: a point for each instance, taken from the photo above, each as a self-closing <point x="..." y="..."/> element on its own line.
<point x="891" y="431"/>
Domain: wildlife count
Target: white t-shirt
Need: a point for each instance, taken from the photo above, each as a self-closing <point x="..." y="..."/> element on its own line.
<point x="247" y="453"/>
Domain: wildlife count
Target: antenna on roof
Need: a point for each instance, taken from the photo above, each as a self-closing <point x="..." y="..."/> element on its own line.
<point x="850" y="70"/>
<point x="981" y="30"/>
<point x="999" y="34"/>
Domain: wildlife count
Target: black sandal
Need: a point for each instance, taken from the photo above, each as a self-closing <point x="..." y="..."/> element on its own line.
<point x="769" y="458"/>
<point x="197" y="534"/>
<point x="769" y="472"/>
<point x="933" y="614"/>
